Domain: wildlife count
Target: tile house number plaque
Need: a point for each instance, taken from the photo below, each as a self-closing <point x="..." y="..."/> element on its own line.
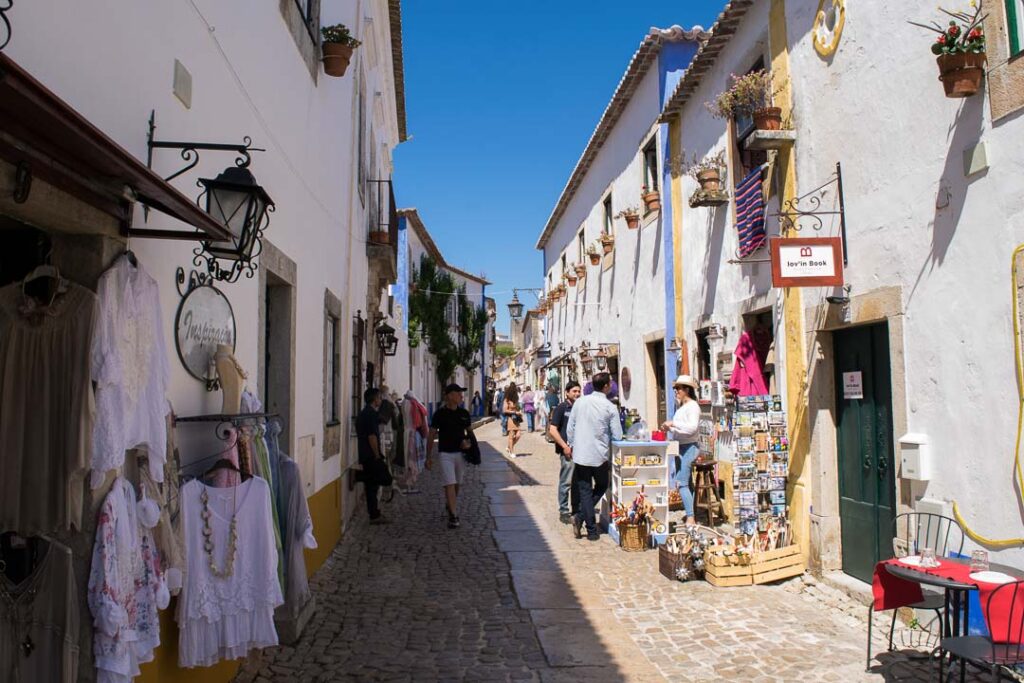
<point x="204" y="320"/>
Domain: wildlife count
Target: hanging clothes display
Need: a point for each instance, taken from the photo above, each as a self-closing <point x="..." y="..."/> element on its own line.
<point x="231" y="589"/>
<point x="45" y="407"/>
<point x="415" y="431"/>
<point x="130" y="369"/>
<point x="39" y="612"/>
<point x="298" y="534"/>
<point x="747" y="374"/>
<point x="126" y="588"/>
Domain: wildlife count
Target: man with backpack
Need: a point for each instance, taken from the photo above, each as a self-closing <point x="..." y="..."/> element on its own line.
<point x="568" y="497"/>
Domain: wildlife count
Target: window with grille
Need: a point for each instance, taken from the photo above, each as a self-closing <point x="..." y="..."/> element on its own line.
<point x="608" y="219"/>
<point x="332" y="346"/>
<point x="650" y="153"/>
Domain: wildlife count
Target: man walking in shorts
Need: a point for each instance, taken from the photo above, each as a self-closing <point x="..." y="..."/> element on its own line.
<point x="451" y="426"/>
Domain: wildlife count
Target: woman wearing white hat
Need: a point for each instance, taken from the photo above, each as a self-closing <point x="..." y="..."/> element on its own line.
<point x="683" y="428"/>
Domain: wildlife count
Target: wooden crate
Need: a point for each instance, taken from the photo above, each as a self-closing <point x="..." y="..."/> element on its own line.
<point x="772" y="565"/>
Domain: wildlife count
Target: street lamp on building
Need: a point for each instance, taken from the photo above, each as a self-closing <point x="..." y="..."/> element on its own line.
<point x="236" y="200"/>
<point x="515" y="307"/>
<point x="386" y="339"/>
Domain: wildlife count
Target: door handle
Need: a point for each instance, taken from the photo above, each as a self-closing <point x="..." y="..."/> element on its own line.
<point x="883" y="465"/>
<point x="867" y="464"/>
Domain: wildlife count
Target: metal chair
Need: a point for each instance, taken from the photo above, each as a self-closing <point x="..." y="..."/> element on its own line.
<point x="1002" y="646"/>
<point x="945" y="535"/>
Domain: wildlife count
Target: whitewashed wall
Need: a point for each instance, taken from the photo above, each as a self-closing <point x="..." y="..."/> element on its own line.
<point x="714" y="290"/>
<point x="916" y="222"/>
<point x="627" y="301"/>
<point x="113" y="61"/>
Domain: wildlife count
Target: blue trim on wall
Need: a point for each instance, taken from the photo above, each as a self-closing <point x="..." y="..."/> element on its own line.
<point x="672" y="62"/>
<point x="400" y="290"/>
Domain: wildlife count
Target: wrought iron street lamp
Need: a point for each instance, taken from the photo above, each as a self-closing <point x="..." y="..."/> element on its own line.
<point x="515" y="307"/>
<point x="236" y="200"/>
<point x="386" y="339"/>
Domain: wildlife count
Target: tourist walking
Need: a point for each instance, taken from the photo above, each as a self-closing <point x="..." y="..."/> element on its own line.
<point x="593" y="425"/>
<point x="529" y="408"/>
<point x="478" y="404"/>
<point x="558" y="430"/>
<point x="514" y="417"/>
<point x="451" y="426"/>
<point x="371" y="457"/>
<point x="543" y="414"/>
<point x="499" y="410"/>
<point x="683" y="428"/>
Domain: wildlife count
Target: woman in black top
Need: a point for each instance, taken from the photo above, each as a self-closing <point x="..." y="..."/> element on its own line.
<point x="515" y="418"/>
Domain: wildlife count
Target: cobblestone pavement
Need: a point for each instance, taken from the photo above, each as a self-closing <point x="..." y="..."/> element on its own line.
<point x="512" y="596"/>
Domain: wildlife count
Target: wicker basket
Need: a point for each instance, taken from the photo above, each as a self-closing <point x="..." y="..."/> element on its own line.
<point x="668" y="562"/>
<point x="633" y="536"/>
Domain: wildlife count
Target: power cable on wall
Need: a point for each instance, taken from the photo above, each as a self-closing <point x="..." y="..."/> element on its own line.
<point x="1008" y="542"/>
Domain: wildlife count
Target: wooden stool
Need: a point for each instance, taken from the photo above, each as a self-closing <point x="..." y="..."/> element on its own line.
<point x="705" y="492"/>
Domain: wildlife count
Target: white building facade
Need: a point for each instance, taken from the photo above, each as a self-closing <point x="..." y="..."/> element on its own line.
<point x="205" y="76"/>
<point x="621" y="306"/>
<point x="927" y="318"/>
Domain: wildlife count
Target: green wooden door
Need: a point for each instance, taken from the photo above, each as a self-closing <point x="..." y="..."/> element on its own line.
<point x="865" y="442"/>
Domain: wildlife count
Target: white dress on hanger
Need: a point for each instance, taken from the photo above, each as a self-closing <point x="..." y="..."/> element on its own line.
<point x="224" y="618"/>
<point x="131" y="371"/>
<point x="124" y="585"/>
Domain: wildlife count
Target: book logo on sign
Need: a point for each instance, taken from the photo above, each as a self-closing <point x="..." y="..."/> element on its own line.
<point x="806" y="252"/>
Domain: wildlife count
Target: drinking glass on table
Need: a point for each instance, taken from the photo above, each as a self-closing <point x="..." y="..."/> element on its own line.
<point x="979" y="561"/>
<point x="928" y="558"/>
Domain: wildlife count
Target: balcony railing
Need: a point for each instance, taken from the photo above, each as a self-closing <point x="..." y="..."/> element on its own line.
<point x="383" y="214"/>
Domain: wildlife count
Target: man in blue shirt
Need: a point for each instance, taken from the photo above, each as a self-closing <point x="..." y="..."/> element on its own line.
<point x="593" y="425"/>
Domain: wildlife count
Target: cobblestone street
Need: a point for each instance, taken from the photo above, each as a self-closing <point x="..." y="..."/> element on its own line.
<point x="512" y="596"/>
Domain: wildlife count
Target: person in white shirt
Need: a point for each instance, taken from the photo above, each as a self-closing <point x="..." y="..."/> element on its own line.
<point x="683" y="428"/>
<point x="593" y="425"/>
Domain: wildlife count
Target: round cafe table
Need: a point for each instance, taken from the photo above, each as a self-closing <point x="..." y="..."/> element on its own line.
<point x="956" y="591"/>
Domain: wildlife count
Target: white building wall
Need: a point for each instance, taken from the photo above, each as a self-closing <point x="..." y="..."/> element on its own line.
<point x="624" y="303"/>
<point x="115" y="65"/>
<point x="714" y="290"/>
<point x="916" y="222"/>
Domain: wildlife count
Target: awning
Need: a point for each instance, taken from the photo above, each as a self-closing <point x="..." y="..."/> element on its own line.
<point x="60" y="146"/>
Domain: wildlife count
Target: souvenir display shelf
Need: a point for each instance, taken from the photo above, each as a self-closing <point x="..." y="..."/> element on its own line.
<point x="629" y="477"/>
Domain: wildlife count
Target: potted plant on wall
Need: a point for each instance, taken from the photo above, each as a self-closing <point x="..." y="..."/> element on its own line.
<point x="960" y="50"/>
<point x="570" y="277"/>
<point x="652" y="199"/>
<point x="751" y="95"/>
<point x="607" y="242"/>
<point x="593" y="254"/>
<point x="708" y="171"/>
<point x="632" y="216"/>
<point x="581" y="270"/>
<point x="337" y="46"/>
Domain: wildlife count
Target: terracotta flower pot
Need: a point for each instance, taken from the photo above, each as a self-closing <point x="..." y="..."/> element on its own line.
<point x="710" y="180"/>
<point x="379" y="237"/>
<point x="632" y="221"/>
<point x="652" y="200"/>
<point x="336" y="58"/>
<point x="607" y="245"/>
<point x="768" y="118"/>
<point x="571" y="280"/>
<point x="594" y="259"/>
<point x="961" y="73"/>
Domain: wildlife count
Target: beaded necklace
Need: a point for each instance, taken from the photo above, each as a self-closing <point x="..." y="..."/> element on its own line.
<point x="229" y="562"/>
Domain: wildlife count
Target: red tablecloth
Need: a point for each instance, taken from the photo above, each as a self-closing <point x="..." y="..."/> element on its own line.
<point x="891" y="592"/>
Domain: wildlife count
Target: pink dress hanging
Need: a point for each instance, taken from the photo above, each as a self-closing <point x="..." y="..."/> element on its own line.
<point x="748" y="373"/>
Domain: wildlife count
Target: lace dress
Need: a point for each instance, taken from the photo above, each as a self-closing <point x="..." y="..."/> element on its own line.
<point x="126" y="589"/>
<point x="224" y="618"/>
<point x="131" y="371"/>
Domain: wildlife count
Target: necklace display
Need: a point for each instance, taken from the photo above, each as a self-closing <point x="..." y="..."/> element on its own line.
<point x="229" y="561"/>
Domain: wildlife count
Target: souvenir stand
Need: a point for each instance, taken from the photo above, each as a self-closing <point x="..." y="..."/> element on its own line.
<point x="714" y="437"/>
<point x="638" y="467"/>
<point x="763" y="547"/>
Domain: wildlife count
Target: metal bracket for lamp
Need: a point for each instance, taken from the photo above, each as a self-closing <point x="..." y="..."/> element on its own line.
<point x="5" y="23"/>
<point x="805" y="212"/>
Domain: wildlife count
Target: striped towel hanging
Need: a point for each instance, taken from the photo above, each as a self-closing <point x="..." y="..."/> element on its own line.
<point x="750" y="210"/>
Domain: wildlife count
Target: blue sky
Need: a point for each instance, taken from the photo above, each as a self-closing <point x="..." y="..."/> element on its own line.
<point x="501" y="98"/>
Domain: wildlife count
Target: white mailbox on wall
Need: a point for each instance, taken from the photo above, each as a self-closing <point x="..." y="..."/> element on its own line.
<point x="915" y="457"/>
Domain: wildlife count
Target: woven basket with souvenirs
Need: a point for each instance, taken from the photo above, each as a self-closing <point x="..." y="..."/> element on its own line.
<point x="634" y="536"/>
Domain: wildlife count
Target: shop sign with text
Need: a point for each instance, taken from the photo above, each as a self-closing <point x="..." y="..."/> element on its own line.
<point x="807" y="261"/>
